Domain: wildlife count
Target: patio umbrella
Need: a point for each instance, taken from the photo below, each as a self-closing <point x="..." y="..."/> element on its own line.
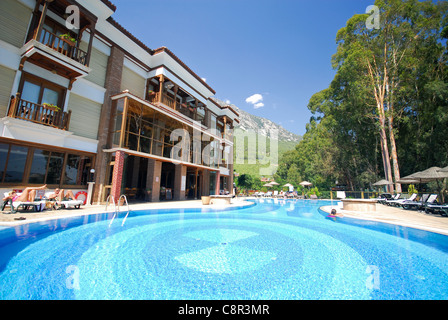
<point x="382" y="182"/>
<point x="432" y="174"/>
<point x="267" y="185"/>
<point x="444" y="169"/>
<point x="274" y="183"/>
<point x="305" y="183"/>
<point x="408" y="181"/>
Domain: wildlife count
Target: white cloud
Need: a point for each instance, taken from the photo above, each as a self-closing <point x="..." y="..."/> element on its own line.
<point x="255" y="100"/>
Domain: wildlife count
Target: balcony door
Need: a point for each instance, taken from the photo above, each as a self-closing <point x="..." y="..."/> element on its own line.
<point x="40" y="91"/>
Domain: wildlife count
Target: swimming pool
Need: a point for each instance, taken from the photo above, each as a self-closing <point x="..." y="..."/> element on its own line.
<point x="275" y="249"/>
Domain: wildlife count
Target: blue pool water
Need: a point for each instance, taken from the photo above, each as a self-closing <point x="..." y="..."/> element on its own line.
<point x="275" y="249"/>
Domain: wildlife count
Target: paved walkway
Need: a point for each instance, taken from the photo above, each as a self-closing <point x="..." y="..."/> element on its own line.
<point x="393" y="215"/>
<point x="9" y="219"/>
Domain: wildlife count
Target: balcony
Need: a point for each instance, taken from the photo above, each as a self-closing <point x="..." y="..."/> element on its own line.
<point x="46" y="115"/>
<point x="57" y="55"/>
<point x="164" y="91"/>
<point x="52" y="46"/>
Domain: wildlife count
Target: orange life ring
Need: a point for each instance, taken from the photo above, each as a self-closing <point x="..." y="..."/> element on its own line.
<point x="83" y="194"/>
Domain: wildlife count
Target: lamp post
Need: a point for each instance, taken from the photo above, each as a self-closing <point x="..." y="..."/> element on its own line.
<point x="90" y="187"/>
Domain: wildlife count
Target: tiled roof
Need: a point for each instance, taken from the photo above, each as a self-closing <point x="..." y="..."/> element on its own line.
<point x="224" y="105"/>
<point x="172" y="55"/>
<point x="109" y="4"/>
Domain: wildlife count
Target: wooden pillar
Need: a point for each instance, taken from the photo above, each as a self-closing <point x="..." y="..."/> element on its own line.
<point x="117" y="177"/>
<point x="124" y="120"/>
<point x="89" y="48"/>
<point x="41" y="20"/>
<point x="161" y="80"/>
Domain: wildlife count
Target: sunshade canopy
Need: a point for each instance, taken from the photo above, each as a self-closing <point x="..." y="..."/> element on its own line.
<point x="382" y="182"/>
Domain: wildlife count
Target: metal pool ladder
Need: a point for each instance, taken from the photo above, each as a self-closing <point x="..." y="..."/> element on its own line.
<point x="117" y="209"/>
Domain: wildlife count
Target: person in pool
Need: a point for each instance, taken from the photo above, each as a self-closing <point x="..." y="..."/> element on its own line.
<point x="334" y="213"/>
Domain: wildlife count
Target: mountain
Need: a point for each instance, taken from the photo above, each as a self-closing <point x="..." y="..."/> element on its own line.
<point x="249" y="122"/>
<point x="262" y="126"/>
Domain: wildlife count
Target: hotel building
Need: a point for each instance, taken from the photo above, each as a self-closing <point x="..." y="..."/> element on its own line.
<point x="79" y="92"/>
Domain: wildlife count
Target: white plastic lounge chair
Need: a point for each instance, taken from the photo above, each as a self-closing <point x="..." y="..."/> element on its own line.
<point x="275" y="195"/>
<point x="268" y="194"/>
<point x="418" y="204"/>
<point x="67" y="203"/>
<point x="400" y="201"/>
<point x="38" y="206"/>
<point x="340" y="195"/>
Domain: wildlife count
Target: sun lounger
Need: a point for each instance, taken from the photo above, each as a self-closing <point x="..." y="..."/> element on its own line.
<point x="394" y="198"/>
<point x="426" y="199"/>
<point x="66" y="203"/>
<point x="340" y="195"/>
<point x="38" y="206"/>
<point x="397" y="203"/>
<point x="268" y="194"/>
<point x="383" y="197"/>
<point x="275" y="195"/>
<point x="441" y="209"/>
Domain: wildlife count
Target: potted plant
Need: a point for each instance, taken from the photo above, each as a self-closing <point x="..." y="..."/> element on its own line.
<point x="205" y="200"/>
<point x="69" y="38"/>
<point x="51" y="106"/>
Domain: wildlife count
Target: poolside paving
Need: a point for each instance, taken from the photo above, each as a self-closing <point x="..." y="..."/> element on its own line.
<point x="399" y="216"/>
<point x="393" y="215"/>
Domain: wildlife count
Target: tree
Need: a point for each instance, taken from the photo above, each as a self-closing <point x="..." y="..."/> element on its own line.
<point x="245" y="181"/>
<point x="383" y="59"/>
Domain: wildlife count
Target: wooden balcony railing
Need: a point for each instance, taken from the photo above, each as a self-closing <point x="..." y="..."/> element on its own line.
<point x="166" y="100"/>
<point x="41" y="114"/>
<point x="66" y="47"/>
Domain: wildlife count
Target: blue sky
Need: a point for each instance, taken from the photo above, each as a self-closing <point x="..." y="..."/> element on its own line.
<point x="277" y="49"/>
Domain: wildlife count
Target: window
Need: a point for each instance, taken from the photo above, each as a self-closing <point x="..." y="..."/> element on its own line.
<point x="77" y="169"/>
<point x="16" y="163"/>
<point x="30" y="165"/>
<point x="55" y="168"/>
<point x="40" y="91"/>
<point x="39" y="166"/>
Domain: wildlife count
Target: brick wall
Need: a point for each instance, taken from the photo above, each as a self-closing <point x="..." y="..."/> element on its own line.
<point x="113" y="85"/>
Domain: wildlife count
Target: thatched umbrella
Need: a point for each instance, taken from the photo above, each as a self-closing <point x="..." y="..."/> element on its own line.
<point x="382" y="182"/>
<point x="431" y="174"/>
<point x="305" y="183"/>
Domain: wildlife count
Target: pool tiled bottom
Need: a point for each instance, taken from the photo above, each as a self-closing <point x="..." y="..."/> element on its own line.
<point x="226" y="256"/>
